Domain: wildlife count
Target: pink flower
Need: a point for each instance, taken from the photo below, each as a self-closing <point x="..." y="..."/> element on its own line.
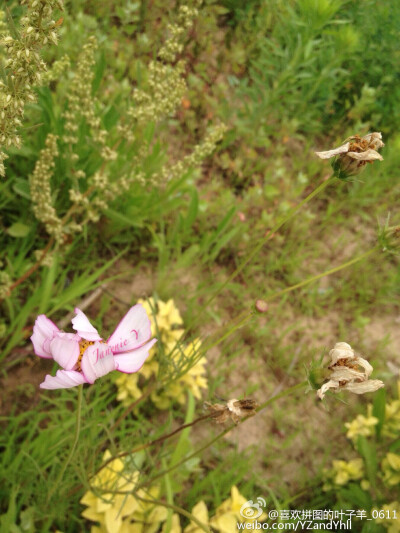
<point x="85" y="356"/>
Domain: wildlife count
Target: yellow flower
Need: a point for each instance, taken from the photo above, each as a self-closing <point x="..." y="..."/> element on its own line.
<point x="391" y="427"/>
<point x="106" y="507"/>
<point x="193" y="380"/>
<point x="166" y="325"/>
<point x="147" y="517"/>
<point x="345" y="471"/>
<point x="228" y="514"/>
<point x="167" y="322"/>
<point x="122" y="512"/>
<point x="175" y="526"/>
<point x="391" y="469"/>
<point x="365" y="484"/>
<point x="200" y="512"/>
<point x="361" y="425"/>
<point x="128" y="389"/>
<point x="390" y="513"/>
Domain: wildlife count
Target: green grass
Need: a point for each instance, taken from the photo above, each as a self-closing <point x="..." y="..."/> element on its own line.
<point x="288" y="78"/>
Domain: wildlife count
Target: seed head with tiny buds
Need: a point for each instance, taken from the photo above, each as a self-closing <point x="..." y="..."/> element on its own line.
<point x="23" y="67"/>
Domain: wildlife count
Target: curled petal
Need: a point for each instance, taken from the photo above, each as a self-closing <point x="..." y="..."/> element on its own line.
<point x="97" y="361"/>
<point x="343" y="373"/>
<point x="365" y="365"/>
<point x="64" y="379"/>
<point x="43" y="332"/>
<point x="331" y="384"/>
<point x="129" y="362"/>
<point x="374" y="140"/>
<point x="331" y="153"/>
<point x="65" y="349"/>
<point x="133" y="331"/>
<point x="368" y="155"/>
<point x="81" y="324"/>
<point x="364" y="386"/>
<point x="342" y="350"/>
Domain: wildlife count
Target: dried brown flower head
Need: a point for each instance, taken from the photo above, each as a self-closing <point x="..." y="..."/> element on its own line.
<point x="349" y="372"/>
<point x="233" y="409"/>
<point x="351" y="157"/>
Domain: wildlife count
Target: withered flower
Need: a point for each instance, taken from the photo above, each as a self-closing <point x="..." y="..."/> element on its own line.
<point x="234" y="409"/>
<point x="349" y="372"/>
<point x="351" y="157"/>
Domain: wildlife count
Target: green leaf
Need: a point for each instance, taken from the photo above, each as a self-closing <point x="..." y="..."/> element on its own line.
<point x="192" y="211"/>
<point x="368" y="452"/>
<point x="18" y="230"/>
<point x="21" y="187"/>
<point x="98" y="74"/>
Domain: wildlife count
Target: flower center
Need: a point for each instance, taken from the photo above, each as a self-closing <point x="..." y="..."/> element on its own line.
<point x="358" y="145"/>
<point x="83" y="345"/>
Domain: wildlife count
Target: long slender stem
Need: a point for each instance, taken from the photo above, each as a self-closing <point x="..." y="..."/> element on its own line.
<point x="270" y="234"/>
<point x="326" y="273"/>
<point x="152" y="442"/>
<point x="286" y="392"/>
<point x="72" y="451"/>
<point x="246" y="316"/>
<point x="239" y="322"/>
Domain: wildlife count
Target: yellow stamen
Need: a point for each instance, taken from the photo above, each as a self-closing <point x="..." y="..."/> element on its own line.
<point x="83" y="345"/>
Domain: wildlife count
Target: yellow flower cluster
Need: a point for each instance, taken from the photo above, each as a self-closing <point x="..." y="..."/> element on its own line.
<point x="391" y="469"/>
<point x="167" y="326"/>
<point x="361" y="425"/>
<point x="389" y="512"/>
<point x="225" y="519"/>
<point x="122" y="512"/>
<point x="115" y="506"/>
<point x="391" y="427"/>
<point x="342" y="472"/>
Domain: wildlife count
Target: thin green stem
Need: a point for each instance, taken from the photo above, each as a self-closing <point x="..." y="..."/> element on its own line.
<point x="286" y="392"/>
<point x="239" y="322"/>
<point x="251" y="256"/>
<point x="170" y="497"/>
<point x="152" y="442"/>
<point x="263" y="241"/>
<point x="76" y="438"/>
<point x="326" y="273"/>
<point x="246" y="316"/>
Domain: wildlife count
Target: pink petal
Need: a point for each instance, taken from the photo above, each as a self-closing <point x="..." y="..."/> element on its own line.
<point x="65" y="349"/>
<point x="129" y="362"/>
<point x="97" y="361"/>
<point x="81" y="324"/>
<point x="43" y="332"/>
<point x="133" y="331"/>
<point x="64" y="379"/>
